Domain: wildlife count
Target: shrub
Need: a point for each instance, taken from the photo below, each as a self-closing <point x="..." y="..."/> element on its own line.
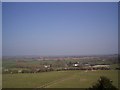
<point x="103" y="84"/>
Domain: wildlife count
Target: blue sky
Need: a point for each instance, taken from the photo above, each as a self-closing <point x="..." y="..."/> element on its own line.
<point x="0" y="31"/>
<point x="60" y="28"/>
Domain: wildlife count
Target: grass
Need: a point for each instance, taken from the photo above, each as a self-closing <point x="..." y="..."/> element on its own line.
<point x="57" y="79"/>
<point x="113" y="66"/>
<point x="0" y="77"/>
<point x="86" y="79"/>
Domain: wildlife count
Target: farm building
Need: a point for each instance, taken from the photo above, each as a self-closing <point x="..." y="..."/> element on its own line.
<point x="46" y="66"/>
<point x="102" y="67"/>
<point x="97" y="66"/>
<point x="19" y="71"/>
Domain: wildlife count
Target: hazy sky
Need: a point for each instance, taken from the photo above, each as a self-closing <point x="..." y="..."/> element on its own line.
<point x="60" y="28"/>
<point x="0" y="31"/>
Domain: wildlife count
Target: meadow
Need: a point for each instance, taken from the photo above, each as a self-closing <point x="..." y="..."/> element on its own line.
<point x="57" y="79"/>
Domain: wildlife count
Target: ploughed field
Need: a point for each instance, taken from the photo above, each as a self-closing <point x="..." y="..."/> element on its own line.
<point x="57" y="79"/>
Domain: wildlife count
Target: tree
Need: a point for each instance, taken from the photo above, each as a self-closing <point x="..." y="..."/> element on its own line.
<point x="103" y="84"/>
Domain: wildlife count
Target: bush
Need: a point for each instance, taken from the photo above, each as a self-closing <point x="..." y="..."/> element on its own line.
<point x="103" y="84"/>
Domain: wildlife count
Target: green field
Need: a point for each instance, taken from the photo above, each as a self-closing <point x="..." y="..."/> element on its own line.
<point x="58" y="79"/>
<point x="0" y="73"/>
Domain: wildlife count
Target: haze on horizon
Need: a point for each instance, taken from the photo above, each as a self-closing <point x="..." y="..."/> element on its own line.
<point x="59" y="28"/>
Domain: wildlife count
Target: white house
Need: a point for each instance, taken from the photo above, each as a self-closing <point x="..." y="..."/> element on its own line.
<point x="76" y="64"/>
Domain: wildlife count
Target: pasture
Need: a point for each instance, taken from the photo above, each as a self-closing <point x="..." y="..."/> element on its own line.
<point x="57" y="79"/>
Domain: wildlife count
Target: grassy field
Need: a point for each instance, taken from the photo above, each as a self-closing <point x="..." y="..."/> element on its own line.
<point x="58" y="79"/>
<point x="0" y="73"/>
<point x="0" y="77"/>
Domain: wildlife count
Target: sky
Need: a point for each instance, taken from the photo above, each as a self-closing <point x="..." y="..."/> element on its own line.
<point x="60" y="0"/>
<point x="0" y="32"/>
<point x="59" y="28"/>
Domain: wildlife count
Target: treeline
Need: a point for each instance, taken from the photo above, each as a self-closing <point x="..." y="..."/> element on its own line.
<point x="38" y="70"/>
<point x="26" y="71"/>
